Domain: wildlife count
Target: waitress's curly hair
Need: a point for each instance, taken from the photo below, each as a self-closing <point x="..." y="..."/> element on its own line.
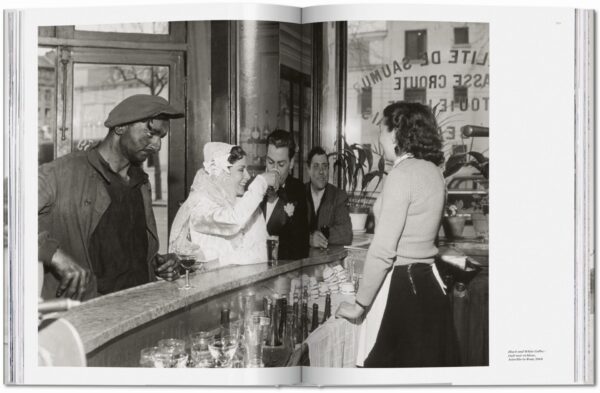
<point x="415" y="129"/>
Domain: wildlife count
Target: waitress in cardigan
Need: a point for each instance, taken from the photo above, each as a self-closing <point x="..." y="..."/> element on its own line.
<point x="408" y="322"/>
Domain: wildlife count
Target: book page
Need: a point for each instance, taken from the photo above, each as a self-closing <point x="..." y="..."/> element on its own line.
<point x="529" y="59"/>
<point x="154" y="45"/>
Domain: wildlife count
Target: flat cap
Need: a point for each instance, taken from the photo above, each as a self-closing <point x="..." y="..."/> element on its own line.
<point x="140" y="107"/>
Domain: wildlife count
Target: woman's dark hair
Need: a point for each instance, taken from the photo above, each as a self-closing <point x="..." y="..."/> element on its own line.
<point x="415" y="129"/>
<point x="235" y="154"/>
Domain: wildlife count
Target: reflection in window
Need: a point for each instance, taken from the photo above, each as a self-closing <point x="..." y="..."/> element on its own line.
<point x="415" y="95"/>
<point x="135" y="28"/>
<point x="46" y="103"/>
<point x="416" y="43"/>
<point x="461" y="35"/>
<point x="460" y="94"/>
<point x="366" y="102"/>
<point x="97" y="88"/>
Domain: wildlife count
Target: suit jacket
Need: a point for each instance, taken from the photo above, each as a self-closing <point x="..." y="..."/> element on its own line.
<point x="292" y="229"/>
<point x="332" y="212"/>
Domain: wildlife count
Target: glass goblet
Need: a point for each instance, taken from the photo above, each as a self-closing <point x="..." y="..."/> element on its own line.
<point x="187" y="261"/>
<point x="222" y="349"/>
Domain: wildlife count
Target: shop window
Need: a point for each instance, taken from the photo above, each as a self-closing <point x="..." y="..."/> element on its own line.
<point x="415" y="43"/>
<point x="46" y="103"/>
<point x="366" y="102"/>
<point x="460" y="94"/>
<point x="415" y="95"/>
<point x="461" y="35"/>
<point x="358" y="52"/>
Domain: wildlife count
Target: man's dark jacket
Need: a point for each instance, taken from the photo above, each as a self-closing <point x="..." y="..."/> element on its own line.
<point x="333" y="213"/>
<point x="289" y="220"/>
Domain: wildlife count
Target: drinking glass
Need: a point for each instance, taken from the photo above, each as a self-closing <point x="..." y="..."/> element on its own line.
<point x="253" y="342"/>
<point x="163" y="358"/>
<point x="187" y="262"/>
<point x="201" y="357"/>
<point x="222" y="349"/>
<point x="177" y="349"/>
<point x="147" y="356"/>
<point x="236" y="328"/>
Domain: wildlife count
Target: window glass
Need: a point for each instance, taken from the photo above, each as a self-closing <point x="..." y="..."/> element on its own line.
<point x="461" y="35"/>
<point x="416" y="44"/>
<point x="46" y="104"/>
<point x="382" y="70"/>
<point x="97" y="88"/>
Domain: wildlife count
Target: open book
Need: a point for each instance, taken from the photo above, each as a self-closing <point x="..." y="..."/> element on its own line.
<point x="515" y="263"/>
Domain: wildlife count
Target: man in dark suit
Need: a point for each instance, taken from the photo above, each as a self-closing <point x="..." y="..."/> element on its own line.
<point x="285" y="210"/>
<point x="328" y="216"/>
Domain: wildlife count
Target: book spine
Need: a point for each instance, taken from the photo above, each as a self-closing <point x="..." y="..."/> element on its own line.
<point x="13" y="243"/>
<point x="584" y="196"/>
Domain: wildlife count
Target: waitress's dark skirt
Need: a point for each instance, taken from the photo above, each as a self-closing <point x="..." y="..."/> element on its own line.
<point x="417" y="328"/>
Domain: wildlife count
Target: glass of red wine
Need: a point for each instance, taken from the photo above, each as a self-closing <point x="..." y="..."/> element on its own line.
<point x="187" y="261"/>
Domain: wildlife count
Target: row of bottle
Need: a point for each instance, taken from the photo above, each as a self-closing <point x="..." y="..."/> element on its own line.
<point x="285" y="326"/>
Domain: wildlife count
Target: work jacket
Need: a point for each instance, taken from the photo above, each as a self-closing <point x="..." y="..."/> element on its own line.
<point x="71" y="200"/>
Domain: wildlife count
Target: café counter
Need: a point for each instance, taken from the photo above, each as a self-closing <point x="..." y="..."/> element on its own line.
<point x="115" y="327"/>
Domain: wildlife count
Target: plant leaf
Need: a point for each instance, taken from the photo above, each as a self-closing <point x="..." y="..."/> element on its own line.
<point x="478" y="156"/>
<point x="369" y="155"/>
<point x="381" y="164"/>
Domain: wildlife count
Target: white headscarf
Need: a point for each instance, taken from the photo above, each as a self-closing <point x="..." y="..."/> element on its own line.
<point x="216" y="156"/>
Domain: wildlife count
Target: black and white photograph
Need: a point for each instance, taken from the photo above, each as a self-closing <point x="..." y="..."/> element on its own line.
<point x="248" y="208"/>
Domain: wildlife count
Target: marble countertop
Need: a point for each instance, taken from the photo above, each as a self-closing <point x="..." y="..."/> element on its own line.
<point x="101" y="319"/>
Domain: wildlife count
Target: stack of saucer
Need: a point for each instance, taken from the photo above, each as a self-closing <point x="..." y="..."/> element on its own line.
<point x="341" y="273"/>
<point x="323" y="289"/>
<point x="347" y="288"/>
<point x="328" y="274"/>
<point x="313" y="288"/>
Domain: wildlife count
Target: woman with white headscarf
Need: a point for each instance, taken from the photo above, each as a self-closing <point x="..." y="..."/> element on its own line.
<point x="220" y="222"/>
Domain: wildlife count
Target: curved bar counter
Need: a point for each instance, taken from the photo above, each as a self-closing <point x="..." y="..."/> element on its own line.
<point x="115" y="327"/>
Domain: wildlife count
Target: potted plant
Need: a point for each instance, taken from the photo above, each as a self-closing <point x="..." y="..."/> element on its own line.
<point x="454" y="220"/>
<point x="479" y="208"/>
<point x="355" y="163"/>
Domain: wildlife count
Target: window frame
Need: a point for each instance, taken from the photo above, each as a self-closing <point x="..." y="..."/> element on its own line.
<point x="406" y="46"/>
<point x="461" y="44"/>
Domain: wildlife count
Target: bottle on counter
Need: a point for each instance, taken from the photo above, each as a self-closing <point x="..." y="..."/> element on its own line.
<point x="315" y="317"/>
<point x="274" y="339"/>
<point x="327" y="311"/>
<point x="296" y="327"/>
<point x="283" y="319"/>
<point x="224" y="325"/>
<point x="304" y="319"/>
<point x="266" y="306"/>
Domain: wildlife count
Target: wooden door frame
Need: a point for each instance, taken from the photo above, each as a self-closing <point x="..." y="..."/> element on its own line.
<point x="68" y="56"/>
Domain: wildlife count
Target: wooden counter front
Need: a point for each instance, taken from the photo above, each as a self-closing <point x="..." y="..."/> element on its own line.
<point x="115" y="327"/>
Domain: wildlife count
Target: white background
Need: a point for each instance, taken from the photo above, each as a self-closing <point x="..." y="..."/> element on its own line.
<point x="581" y="4"/>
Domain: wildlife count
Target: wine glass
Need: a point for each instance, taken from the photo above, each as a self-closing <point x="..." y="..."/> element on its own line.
<point x="176" y="348"/>
<point x="222" y="349"/>
<point x="187" y="261"/>
<point x="201" y="357"/>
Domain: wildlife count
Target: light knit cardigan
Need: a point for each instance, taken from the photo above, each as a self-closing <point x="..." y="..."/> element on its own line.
<point x="408" y="212"/>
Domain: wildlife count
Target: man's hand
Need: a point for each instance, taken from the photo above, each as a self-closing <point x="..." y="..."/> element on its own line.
<point x="318" y="240"/>
<point x="73" y="278"/>
<point x="349" y="311"/>
<point x="166" y="266"/>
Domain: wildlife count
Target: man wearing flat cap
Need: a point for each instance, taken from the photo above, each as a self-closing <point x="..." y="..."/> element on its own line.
<point x="96" y="228"/>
